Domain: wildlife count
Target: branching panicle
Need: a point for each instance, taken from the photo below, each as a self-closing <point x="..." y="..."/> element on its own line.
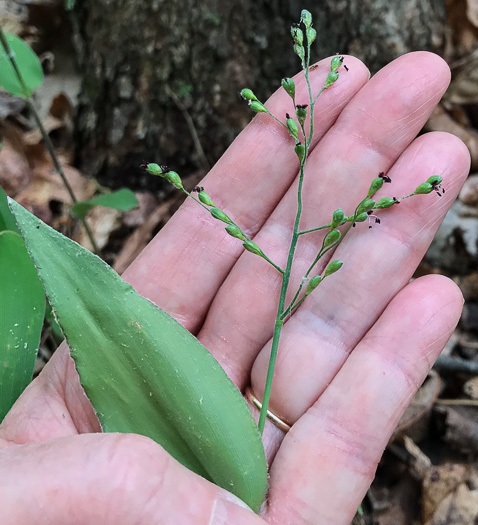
<point x="303" y="35"/>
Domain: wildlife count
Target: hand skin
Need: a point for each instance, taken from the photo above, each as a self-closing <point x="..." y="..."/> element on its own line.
<point x="350" y="358"/>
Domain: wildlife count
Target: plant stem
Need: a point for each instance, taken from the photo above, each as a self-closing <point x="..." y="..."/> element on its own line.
<point x="192" y="129"/>
<point x="264" y="256"/>
<point x="46" y="138"/>
<point x="280" y="309"/>
<point x="286" y="275"/>
<point x="314" y="229"/>
<point x="277" y="119"/>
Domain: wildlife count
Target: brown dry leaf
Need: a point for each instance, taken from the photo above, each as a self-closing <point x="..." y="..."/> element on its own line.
<point x="103" y="222"/>
<point x="60" y="118"/>
<point x="439" y="483"/>
<point x="468" y="285"/>
<point x="470" y="388"/>
<point x="420" y="462"/>
<point x="459" y="426"/>
<point x="62" y="108"/>
<point x="472" y="11"/>
<point x="460" y="505"/>
<point x="469" y="192"/>
<point x="34" y="137"/>
<point x="47" y="186"/>
<point x="440" y="120"/>
<point x="147" y="203"/>
<point x="141" y="236"/>
<point x="395" y="505"/>
<point x="15" y="172"/>
<point x="463" y="32"/>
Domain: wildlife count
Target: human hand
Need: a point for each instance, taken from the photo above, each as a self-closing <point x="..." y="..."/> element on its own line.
<point x="350" y="358"/>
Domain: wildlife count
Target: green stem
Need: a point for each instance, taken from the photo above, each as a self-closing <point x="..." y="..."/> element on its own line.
<point x="194" y="199"/>
<point x="277" y="119"/>
<point x="323" y="251"/>
<point x="314" y="229"/>
<point x="278" y="268"/>
<point x="289" y="309"/>
<point x="286" y="275"/>
<point x="46" y="137"/>
<point x="294" y="306"/>
<point x="264" y="256"/>
<point x="318" y="94"/>
<point x="285" y="284"/>
<point x="403" y="198"/>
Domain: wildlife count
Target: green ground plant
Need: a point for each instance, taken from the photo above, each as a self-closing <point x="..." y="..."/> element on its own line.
<point x="142" y="371"/>
<point x="21" y="325"/>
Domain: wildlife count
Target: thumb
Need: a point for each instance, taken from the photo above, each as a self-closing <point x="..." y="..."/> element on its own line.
<point x="109" y="479"/>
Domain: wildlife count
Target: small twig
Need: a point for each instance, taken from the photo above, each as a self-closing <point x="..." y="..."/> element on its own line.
<point x="456" y="364"/>
<point x="192" y="128"/>
<point x="457" y="402"/>
<point x="46" y="137"/>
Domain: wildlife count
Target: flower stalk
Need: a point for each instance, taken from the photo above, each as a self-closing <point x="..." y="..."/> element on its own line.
<point x="303" y="34"/>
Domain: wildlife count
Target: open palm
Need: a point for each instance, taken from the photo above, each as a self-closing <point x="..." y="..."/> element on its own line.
<point x="350" y="358"/>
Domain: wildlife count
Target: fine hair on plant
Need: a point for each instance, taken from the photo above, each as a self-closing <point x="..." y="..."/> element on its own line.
<point x="299" y="124"/>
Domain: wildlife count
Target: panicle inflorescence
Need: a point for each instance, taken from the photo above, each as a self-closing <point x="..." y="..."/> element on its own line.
<point x="303" y="35"/>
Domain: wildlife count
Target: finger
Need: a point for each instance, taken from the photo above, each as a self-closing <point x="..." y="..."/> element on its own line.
<point x="109" y="479"/>
<point x="376" y="126"/>
<point x="183" y="267"/>
<point x="377" y="264"/>
<point x="332" y="452"/>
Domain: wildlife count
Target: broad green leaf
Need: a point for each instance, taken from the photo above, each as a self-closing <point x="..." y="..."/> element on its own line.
<point x="7" y="222"/>
<point x="54" y="326"/>
<point x="28" y="64"/>
<point x="123" y="200"/>
<point x="142" y="371"/>
<point x="22" y="307"/>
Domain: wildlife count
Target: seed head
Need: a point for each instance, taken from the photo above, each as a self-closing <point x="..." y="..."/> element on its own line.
<point x="205" y="198"/>
<point x="289" y="85"/>
<point x="312" y="284"/>
<point x="247" y="94"/>
<point x="306" y="18"/>
<point x="331" y="78"/>
<point x="333" y="267"/>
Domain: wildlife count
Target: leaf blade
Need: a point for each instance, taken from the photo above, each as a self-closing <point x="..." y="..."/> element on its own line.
<point x="123" y="200"/>
<point x="22" y="306"/>
<point x="7" y="222"/>
<point x="123" y="344"/>
<point x="27" y="63"/>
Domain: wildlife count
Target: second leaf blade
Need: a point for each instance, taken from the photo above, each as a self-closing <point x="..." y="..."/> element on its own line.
<point x="143" y="371"/>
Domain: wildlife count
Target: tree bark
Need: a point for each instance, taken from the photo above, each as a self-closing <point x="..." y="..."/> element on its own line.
<point x="161" y="76"/>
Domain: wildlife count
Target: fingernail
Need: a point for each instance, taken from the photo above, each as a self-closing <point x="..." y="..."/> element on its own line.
<point x="230" y="509"/>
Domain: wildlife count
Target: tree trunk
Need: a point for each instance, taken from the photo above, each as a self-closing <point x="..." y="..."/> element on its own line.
<point x="162" y="76"/>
